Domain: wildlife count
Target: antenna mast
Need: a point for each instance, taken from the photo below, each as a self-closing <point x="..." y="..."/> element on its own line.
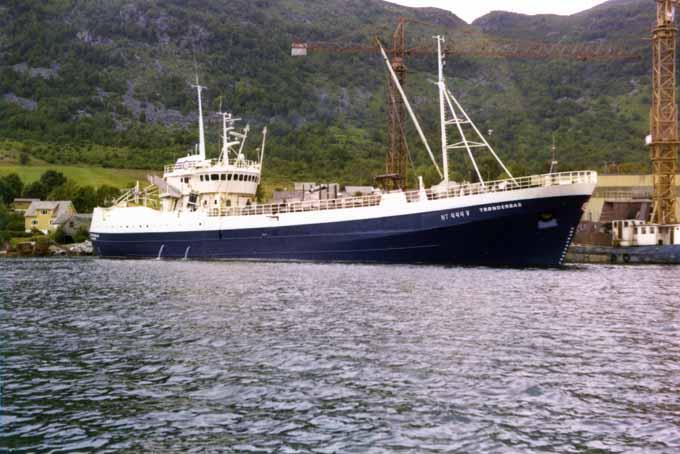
<point x="553" y="163"/>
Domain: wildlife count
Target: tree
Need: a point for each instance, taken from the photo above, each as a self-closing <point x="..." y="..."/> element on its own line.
<point x="85" y="199"/>
<point x="106" y="195"/>
<point x="4" y="216"/>
<point x="66" y="191"/>
<point x="52" y="179"/>
<point x="36" y="190"/>
<point x="10" y="188"/>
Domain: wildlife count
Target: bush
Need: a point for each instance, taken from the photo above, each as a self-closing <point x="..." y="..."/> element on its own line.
<point x="18" y="233"/>
<point x="24" y="158"/>
<point x="81" y="235"/>
<point x="15" y="222"/>
<point x="59" y="236"/>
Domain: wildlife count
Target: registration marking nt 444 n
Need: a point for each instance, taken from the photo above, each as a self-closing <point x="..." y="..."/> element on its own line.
<point x="455" y="215"/>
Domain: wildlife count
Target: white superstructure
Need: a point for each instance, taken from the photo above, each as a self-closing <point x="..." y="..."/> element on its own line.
<point x="196" y="183"/>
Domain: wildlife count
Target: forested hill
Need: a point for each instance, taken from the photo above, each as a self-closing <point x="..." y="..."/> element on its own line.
<point x="107" y="82"/>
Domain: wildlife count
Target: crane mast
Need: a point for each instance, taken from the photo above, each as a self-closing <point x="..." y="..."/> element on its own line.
<point x="397" y="153"/>
<point x="664" y="114"/>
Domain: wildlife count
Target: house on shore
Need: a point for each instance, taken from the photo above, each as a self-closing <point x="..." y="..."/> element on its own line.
<point x="77" y="222"/>
<point x="48" y="216"/>
<point x="21" y="205"/>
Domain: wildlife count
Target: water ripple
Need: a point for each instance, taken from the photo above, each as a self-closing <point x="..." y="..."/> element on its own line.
<point x="111" y="356"/>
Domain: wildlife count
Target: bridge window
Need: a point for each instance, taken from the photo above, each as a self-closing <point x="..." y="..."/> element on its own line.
<point x="229" y="177"/>
<point x="214" y="177"/>
<point x="223" y="176"/>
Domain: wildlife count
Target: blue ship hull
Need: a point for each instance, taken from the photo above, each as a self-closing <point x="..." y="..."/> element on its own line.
<point x="537" y="232"/>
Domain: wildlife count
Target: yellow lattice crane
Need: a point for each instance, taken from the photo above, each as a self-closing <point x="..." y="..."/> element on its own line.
<point x="663" y="140"/>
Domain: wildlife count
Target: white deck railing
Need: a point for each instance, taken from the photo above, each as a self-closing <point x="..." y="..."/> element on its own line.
<point x="210" y="164"/>
<point x="299" y="207"/>
<point x="532" y="181"/>
<point x="463" y="190"/>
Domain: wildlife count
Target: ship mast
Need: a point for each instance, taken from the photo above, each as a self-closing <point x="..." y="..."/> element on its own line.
<point x="442" y="110"/>
<point x="201" y="131"/>
<point x="228" y="122"/>
<point x="459" y="118"/>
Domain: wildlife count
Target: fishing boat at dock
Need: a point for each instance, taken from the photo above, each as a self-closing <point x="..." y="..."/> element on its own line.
<point x="206" y="209"/>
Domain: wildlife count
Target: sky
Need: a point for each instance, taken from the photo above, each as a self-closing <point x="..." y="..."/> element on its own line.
<point x="470" y="10"/>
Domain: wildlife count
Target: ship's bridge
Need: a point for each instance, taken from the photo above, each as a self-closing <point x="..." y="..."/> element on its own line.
<point x="211" y="176"/>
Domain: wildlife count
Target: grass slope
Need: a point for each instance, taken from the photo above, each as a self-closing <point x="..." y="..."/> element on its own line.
<point x="83" y="176"/>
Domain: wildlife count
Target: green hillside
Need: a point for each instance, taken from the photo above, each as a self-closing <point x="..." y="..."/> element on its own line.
<point x="106" y="83"/>
<point x="83" y="176"/>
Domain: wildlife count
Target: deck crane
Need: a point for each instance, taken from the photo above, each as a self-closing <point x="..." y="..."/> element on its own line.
<point x="472" y="45"/>
<point x="663" y="139"/>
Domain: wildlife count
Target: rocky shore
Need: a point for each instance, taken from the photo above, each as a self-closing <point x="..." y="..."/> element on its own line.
<point x="46" y="249"/>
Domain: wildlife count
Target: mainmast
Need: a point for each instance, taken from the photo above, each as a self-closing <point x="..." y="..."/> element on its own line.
<point x="458" y="116"/>
<point x="201" y="131"/>
<point x="442" y="110"/>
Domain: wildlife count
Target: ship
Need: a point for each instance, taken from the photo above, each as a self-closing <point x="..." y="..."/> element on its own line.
<point x="207" y="209"/>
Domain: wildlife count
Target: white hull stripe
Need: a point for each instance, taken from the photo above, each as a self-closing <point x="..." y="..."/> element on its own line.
<point x="146" y="220"/>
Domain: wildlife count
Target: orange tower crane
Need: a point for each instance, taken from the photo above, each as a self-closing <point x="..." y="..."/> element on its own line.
<point x="472" y="45"/>
<point x="663" y="140"/>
